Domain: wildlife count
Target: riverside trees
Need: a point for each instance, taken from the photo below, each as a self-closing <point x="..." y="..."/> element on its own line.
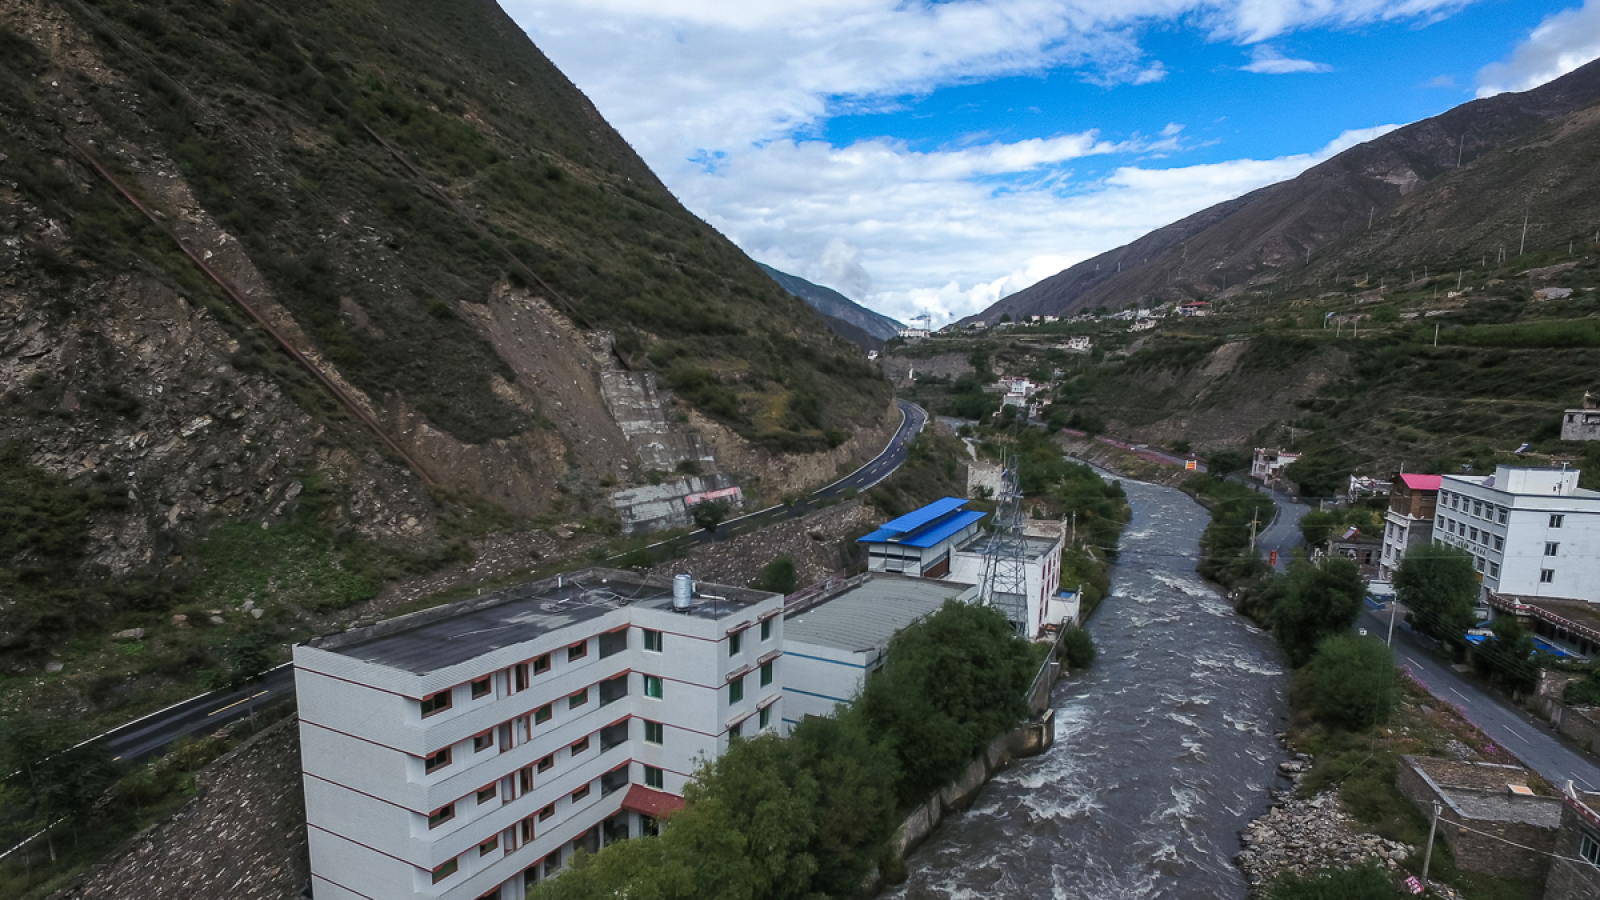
<point x="1437" y="584"/>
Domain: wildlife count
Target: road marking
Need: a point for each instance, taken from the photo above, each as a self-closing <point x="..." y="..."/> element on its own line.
<point x="1413" y="662"/>
<point x="1584" y="780"/>
<point x="236" y="703"/>
<point x="1461" y="695"/>
<point x="1515" y="735"/>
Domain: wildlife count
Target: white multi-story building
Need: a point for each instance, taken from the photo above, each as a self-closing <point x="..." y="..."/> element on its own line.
<point x="832" y="642"/>
<point x="465" y="751"/>
<point x="1532" y="532"/>
<point x="1267" y="462"/>
<point x="1042" y="544"/>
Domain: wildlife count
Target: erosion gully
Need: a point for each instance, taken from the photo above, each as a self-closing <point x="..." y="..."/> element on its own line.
<point x="1164" y="747"/>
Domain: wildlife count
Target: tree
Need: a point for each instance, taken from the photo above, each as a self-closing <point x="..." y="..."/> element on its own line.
<point x="1352" y="681"/>
<point x="951" y="684"/>
<point x="778" y="577"/>
<point x="1318" y="599"/>
<point x="51" y="776"/>
<point x="708" y="514"/>
<point x="1222" y="462"/>
<point x="1078" y="646"/>
<point x="1316" y="525"/>
<point x="856" y="798"/>
<point x="1436" y="582"/>
<point x="1509" y="654"/>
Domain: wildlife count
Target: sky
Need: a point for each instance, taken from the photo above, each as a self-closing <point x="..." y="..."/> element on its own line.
<point x="933" y="157"/>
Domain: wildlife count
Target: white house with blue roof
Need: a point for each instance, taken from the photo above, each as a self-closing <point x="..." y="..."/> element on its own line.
<point x="921" y="543"/>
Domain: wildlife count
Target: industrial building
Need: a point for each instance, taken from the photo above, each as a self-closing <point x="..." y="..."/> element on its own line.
<point x="1045" y="605"/>
<point x="921" y="542"/>
<point x="466" y="751"/>
<point x="832" y="642"/>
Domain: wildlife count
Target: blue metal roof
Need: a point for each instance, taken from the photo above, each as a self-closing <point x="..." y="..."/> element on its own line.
<point x="911" y="521"/>
<point x="929" y="534"/>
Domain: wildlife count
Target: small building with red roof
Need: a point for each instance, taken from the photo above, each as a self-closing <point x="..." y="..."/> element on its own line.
<point x="1413" y="499"/>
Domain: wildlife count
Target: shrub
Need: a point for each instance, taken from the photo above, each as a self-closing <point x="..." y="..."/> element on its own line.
<point x="1352" y="681"/>
<point x="1365" y="882"/>
<point x="1078" y="647"/>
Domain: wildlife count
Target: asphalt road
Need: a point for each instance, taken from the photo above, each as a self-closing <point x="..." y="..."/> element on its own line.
<point x="1528" y="739"/>
<point x="149" y="735"/>
<point x="1283" y="535"/>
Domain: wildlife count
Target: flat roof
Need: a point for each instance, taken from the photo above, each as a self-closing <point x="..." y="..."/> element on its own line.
<point x="866" y="616"/>
<point x="1032" y="547"/>
<point x="444" y="636"/>
<point x="928" y="535"/>
<point x="915" y="519"/>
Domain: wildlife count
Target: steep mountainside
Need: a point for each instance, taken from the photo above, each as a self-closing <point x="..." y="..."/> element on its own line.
<point x="1446" y="189"/>
<point x="359" y="273"/>
<point x="835" y="305"/>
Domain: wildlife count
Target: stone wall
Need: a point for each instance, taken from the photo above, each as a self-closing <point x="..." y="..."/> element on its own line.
<point x="1485" y="826"/>
<point x="242" y="836"/>
<point x="1571" y="880"/>
<point x="1582" y="724"/>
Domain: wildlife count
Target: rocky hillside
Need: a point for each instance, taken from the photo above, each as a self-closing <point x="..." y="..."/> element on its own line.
<point x="1445" y="191"/>
<point x="836" y="307"/>
<point x="368" y="277"/>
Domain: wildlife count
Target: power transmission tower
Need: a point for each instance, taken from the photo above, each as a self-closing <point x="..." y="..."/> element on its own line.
<point x="1005" y="573"/>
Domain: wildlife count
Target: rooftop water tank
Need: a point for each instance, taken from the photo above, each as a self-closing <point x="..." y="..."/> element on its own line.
<point x="682" y="591"/>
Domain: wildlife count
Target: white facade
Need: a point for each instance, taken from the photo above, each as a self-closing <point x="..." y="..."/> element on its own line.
<point x="1042" y="568"/>
<point x="1532" y="532"/>
<point x="1266" y="463"/>
<point x="834" y="642"/>
<point x="465" y="751"/>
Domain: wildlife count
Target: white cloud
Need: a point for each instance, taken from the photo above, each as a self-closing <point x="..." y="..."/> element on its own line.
<point x="1268" y="60"/>
<point x="724" y="99"/>
<point x="914" y="220"/>
<point x="1559" y="44"/>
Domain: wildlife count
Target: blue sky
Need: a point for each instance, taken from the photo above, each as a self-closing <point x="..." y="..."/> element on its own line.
<point x="937" y="156"/>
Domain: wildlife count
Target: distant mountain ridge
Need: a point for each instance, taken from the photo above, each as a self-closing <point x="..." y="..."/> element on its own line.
<point x="834" y="305"/>
<point x="1441" y="188"/>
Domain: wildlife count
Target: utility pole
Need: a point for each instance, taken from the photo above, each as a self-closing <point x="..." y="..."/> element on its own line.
<point x="1461" y="147"/>
<point x="1074" y="529"/>
<point x="1370" y="211"/>
<point x="1253" y="524"/>
<point x="1389" y="641"/>
<point x="1427" y="858"/>
<point x="1524" y="245"/>
<point x="1460" y="275"/>
<point x="1436" y="334"/>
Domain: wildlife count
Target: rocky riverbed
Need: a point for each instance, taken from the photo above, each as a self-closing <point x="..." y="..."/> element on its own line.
<point x="1303" y="835"/>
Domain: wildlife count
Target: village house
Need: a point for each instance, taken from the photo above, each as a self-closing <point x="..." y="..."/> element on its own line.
<point x="1413" y="500"/>
<point x="1266" y="463"/>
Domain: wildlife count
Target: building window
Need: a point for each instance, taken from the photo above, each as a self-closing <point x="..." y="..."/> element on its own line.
<point x="482" y="687"/>
<point x="525" y="779"/>
<point x="1546" y="576"/>
<point x="577" y="651"/>
<point x="519" y="678"/>
<point x="489" y="846"/>
<point x="580" y="745"/>
<point x="1473" y="535"/>
<point x="766" y="674"/>
<point x="652" y="686"/>
<point x="737" y="730"/>
<point x="435" y="703"/>
<point x="578" y="699"/>
<point x="766" y="717"/>
<point x="444" y="871"/>
<point x="528" y="832"/>
<point x="1477" y="508"/>
<point x="654" y="777"/>
<point x="734" y="643"/>
<point x="486" y="794"/>
<point x="1477" y="563"/>
<point x="1501" y="518"/>
<point x="1555" y="520"/>
<point x="541" y="715"/>
<point x="1589" y="849"/>
<point x="482" y="742"/>
<point x="547" y="812"/>
<point x="736" y="690"/>
<point x="441" y="815"/>
<point x="652" y="640"/>
<point x="766" y="631"/>
<point x="654" y="732"/>
<point x="1494" y="570"/>
<point x="1550" y="548"/>
<point x="1499" y="542"/>
<point x="541" y="665"/>
<point x="548" y="763"/>
<point x="580" y="793"/>
<point x="436" y="761"/>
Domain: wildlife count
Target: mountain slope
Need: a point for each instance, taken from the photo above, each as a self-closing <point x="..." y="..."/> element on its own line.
<point x="835" y="305"/>
<point x="373" y="269"/>
<point x="1317" y="224"/>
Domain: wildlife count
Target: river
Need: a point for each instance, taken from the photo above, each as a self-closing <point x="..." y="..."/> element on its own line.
<point x="1164" y="747"/>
